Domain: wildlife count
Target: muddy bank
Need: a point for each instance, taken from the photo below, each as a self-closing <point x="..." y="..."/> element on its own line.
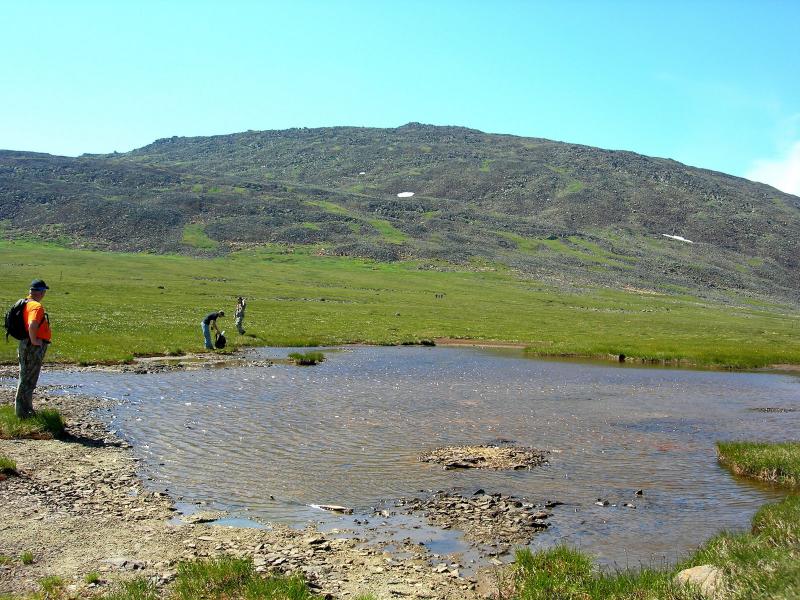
<point x="478" y="343"/>
<point x="79" y="507"/>
<point x="211" y="360"/>
<point x="154" y="364"/>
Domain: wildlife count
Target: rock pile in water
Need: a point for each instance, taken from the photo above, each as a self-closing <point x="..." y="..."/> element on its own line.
<point x="488" y="456"/>
<point x="485" y="519"/>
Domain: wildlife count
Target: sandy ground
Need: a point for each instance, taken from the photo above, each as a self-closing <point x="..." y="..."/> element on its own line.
<point x="79" y="507"/>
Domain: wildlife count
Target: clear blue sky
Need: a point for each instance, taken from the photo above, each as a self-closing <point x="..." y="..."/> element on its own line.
<point x="711" y="84"/>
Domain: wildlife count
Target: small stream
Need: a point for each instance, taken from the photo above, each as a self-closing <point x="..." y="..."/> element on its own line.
<point x="267" y="443"/>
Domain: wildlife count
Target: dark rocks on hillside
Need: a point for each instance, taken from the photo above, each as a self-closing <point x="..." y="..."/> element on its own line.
<point x="544" y="208"/>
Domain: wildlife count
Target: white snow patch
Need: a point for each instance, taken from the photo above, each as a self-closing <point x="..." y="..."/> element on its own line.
<point x="405" y="194"/>
<point x="363" y="173"/>
<point x="677" y="237"/>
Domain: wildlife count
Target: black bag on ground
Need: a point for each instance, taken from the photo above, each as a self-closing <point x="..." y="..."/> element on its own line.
<point x="14" y="321"/>
<point x="220" y="341"/>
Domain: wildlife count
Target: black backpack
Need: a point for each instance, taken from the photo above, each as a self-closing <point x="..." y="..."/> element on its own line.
<point x="220" y="341"/>
<point x="15" y="323"/>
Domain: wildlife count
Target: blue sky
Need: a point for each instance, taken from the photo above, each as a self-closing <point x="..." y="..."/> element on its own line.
<point x="711" y="84"/>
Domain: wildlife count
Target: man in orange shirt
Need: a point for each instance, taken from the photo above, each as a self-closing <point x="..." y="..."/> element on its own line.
<point x="32" y="348"/>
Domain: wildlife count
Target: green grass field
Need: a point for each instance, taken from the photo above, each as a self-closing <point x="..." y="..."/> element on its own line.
<point x="107" y="307"/>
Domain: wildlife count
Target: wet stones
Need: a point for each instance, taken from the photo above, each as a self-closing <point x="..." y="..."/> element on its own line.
<point x="485" y="519"/>
<point x="335" y="508"/>
<point x="488" y="456"/>
<point x="203" y="516"/>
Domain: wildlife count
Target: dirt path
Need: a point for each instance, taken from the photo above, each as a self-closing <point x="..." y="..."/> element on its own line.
<point x="79" y="507"/>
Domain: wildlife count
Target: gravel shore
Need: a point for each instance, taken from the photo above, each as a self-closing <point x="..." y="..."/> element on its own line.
<point x="79" y="506"/>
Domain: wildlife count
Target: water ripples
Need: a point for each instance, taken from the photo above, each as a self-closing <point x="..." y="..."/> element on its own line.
<point x="349" y="431"/>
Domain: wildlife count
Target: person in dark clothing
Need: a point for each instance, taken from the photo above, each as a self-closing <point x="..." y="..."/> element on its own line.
<point x="210" y="321"/>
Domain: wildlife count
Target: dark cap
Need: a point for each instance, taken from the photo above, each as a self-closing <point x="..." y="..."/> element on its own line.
<point x="39" y="285"/>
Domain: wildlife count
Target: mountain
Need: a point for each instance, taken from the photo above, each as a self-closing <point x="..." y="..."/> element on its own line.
<point x="565" y="212"/>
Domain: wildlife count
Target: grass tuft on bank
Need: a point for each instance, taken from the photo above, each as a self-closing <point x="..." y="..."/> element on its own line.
<point x="763" y="563"/>
<point x="223" y="578"/>
<point x="45" y="424"/>
<point x="776" y="463"/>
<point x="307" y="358"/>
<point x="135" y="589"/>
<point x="7" y="466"/>
<point x="235" y="578"/>
<point x="569" y="574"/>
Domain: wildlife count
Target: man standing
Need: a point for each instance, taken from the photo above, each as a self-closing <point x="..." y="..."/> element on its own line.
<point x="32" y="348"/>
<point x="208" y="322"/>
<point x="238" y="316"/>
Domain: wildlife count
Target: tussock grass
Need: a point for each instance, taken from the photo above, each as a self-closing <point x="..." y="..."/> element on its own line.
<point x="776" y="463"/>
<point x="235" y="579"/>
<point x="307" y="358"/>
<point x="135" y="589"/>
<point x="46" y="423"/>
<point x="764" y="563"/>
<point x="51" y="586"/>
<point x="223" y="578"/>
<point x="26" y="558"/>
<point x="563" y="573"/>
<point x="7" y="466"/>
<point x="93" y="577"/>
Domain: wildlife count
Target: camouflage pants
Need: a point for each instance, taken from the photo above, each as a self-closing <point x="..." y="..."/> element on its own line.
<point x="30" y="364"/>
<point x="239" y="318"/>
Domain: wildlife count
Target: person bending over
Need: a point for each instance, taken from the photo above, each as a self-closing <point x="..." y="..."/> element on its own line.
<point x="208" y="322"/>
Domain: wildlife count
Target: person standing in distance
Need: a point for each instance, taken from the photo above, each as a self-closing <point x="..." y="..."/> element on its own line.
<point x="238" y="316"/>
<point x="32" y="348"/>
<point x="210" y="321"/>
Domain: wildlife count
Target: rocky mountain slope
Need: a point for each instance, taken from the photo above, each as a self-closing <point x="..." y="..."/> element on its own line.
<point x="544" y="208"/>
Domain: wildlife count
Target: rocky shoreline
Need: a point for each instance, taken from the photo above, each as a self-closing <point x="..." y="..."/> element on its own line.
<point x="492" y="522"/>
<point x="79" y="506"/>
<point x="156" y="364"/>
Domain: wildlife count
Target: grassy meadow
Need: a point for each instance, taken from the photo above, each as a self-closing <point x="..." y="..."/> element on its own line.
<point x="111" y="307"/>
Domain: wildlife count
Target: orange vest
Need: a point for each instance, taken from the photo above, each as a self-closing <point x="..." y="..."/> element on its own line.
<point x="34" y="313"/>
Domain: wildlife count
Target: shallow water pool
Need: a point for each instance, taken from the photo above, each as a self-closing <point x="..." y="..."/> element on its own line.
<point x="270" y="442"/>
